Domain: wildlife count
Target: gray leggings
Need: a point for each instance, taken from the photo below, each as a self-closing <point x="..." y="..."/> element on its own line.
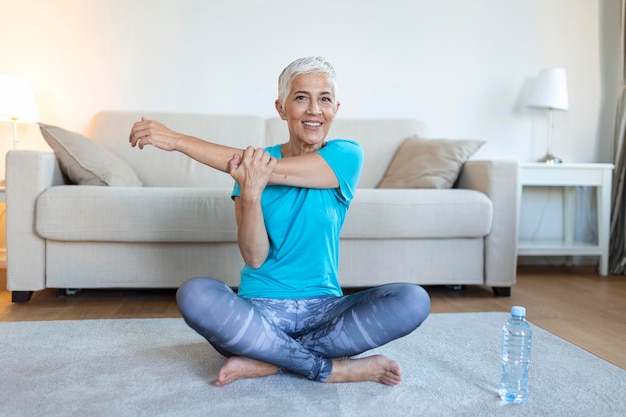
<point x="302" y="335"/>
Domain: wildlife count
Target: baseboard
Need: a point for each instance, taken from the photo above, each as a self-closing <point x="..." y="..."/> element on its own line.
<point x="557" y="260"/>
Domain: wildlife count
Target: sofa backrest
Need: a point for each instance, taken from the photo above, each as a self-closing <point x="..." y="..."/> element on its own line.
<point x="157" y="168"/>
<point x="379" y="138"/>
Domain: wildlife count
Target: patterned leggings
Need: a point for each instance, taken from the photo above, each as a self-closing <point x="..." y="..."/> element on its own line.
<point x="301" y="336"/>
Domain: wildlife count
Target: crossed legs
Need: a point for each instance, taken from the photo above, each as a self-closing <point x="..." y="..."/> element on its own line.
<point x="265" y="336"/>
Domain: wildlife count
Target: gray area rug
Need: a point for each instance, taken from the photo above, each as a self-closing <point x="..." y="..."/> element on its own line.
<point x="160" y="367"/>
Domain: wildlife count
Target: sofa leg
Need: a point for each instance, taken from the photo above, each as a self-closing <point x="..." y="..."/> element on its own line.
<point x="21" y="296"/>
<point x="68" y="292"/>
<point x="456" y="287"/>
<point x="502" y="291"/>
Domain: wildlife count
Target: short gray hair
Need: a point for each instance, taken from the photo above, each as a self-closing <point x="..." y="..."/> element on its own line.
<point x="301" y="66"/>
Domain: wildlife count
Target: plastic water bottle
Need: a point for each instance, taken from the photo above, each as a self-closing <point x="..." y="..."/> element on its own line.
<point x="516" y="341"/>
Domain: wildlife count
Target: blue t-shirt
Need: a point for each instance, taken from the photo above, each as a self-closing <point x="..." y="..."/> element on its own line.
<point x="303" y="225"/>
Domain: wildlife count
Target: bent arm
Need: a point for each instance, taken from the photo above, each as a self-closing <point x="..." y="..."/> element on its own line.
<point x="252" y="237"/>
<point x="252" y="172"/>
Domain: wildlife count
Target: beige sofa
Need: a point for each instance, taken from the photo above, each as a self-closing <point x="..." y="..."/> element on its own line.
<point x="180" y="223"/>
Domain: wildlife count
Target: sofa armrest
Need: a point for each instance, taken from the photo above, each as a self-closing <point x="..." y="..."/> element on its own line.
<point x="497" y="179"/>
<point x="28" y="174"/>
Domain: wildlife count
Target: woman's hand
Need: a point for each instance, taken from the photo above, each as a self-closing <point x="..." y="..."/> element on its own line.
<point x="252" y="170"/>
<point x="151" y="132"/>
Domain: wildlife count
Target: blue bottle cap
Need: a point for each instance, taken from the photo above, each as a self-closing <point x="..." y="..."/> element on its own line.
<point x="518" y="311"/>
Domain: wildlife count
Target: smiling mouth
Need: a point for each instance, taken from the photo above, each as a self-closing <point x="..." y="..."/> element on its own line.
<point x="312" y="124"/>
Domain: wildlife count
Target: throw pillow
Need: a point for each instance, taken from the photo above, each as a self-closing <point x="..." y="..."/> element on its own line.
<point x="428" y="163"/>
<point x="86" y="162"/>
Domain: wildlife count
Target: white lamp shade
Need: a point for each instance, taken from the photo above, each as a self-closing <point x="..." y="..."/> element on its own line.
<point x="550" y="90"/>
<point x="17" y="99"/>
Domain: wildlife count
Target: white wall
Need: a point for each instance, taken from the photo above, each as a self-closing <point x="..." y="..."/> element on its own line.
<point x="465" y="67"/>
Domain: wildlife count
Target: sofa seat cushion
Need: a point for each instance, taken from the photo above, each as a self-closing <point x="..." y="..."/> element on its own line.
<point x="136" y="214"/>
<point x="417" y="214"/>
<point x="154" y="214"/>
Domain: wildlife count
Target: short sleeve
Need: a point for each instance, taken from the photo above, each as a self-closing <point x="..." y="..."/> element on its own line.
<point x="345" y="157"/>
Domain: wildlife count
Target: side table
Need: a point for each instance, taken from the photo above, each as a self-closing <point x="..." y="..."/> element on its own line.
<point x="569" y="176"/>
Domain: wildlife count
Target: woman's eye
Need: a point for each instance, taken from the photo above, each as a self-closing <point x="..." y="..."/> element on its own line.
<point x="301" y="98"/>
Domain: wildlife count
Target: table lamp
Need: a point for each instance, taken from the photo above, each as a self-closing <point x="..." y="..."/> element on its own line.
<point x="550" y="92"/>
<point x="17" y="102"/>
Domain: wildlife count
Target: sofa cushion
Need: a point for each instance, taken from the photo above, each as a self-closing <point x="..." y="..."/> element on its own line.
<point x="146" y="214"/>
<point x="85" y="162"/>
<point x="417" y="214"/>
<point x="428" y="163"/>
<point x="151" y="214"/>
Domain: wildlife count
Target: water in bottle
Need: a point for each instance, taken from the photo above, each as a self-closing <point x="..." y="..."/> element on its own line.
<point x="516" y="341"/>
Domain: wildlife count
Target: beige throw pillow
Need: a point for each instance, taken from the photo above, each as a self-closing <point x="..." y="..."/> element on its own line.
<point x="428" y="163"/>
<point x="86" y="162"/>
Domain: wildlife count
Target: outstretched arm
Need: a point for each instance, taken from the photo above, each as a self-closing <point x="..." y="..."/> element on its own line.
<point x="150" y="132"/>
<point x="308" y="170"/>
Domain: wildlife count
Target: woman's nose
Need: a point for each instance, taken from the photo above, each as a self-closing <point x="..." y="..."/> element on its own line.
<point x="314" y="108"/>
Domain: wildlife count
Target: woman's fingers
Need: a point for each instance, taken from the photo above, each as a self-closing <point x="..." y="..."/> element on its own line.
<point x="150" y="132"/>
<point x="139" y="132"/>
<point x="259" y="155"/>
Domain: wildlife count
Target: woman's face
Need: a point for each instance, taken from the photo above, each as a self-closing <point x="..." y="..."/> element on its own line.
<point x="309" y="109"/>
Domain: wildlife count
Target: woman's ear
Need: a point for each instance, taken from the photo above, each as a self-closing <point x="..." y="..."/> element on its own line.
<point x="280" y="109"/>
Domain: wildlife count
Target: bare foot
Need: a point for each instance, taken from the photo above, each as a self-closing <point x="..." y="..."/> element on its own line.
<point x="376" y="368"/>
<point x="238" y="367"/>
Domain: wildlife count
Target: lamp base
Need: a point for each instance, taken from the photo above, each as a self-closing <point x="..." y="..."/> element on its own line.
<point x="551" y="159"/>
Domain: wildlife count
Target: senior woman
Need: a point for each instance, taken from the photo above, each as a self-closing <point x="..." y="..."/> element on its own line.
<point x="290" y="201"/>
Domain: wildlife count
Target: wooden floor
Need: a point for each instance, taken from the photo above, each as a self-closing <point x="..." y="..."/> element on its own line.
<point x="573" y="303"/>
